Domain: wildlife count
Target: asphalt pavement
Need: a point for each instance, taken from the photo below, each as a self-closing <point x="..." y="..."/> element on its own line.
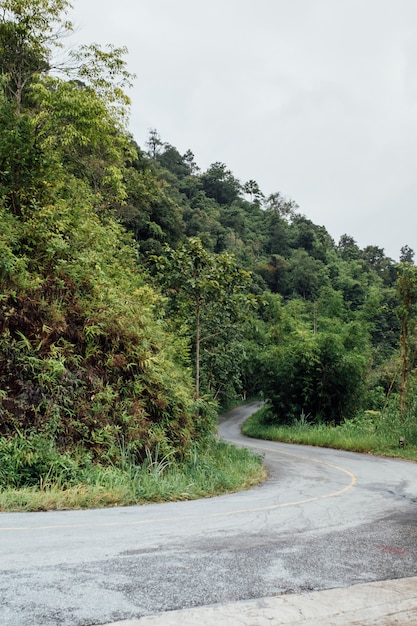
<point x="329" y="538"/>
<point x="388" y="603"/>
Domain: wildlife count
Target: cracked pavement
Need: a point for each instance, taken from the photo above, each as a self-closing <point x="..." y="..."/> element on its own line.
<point x="324" y="520"/>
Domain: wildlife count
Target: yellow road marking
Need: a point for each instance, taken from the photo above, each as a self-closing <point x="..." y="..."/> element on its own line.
<point x="271" y="507"/>
<point x="353" y="481"/>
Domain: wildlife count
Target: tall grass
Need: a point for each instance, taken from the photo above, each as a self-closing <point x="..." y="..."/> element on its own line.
<point x="36" y="478"/>
<point x="375" y="432"/>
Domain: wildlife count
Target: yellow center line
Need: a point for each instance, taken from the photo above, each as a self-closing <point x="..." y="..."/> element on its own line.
<point x="271" y="507"/>
<point x="352" y="476"/>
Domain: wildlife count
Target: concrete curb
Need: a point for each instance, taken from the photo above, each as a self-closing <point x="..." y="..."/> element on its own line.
<point x="387" y="603"/>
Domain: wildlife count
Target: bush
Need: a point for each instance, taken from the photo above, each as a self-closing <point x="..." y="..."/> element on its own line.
<point x="29" y="459"/>
<point x="319" y="375"/>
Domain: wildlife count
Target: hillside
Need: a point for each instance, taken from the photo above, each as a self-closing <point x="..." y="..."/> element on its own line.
<point x="140" y="294"/>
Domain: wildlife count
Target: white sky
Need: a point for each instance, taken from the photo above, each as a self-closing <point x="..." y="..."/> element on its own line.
<point x="316" y="99"/>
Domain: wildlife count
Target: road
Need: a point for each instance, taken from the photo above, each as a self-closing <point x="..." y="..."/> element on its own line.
<point x="324" y="519"/>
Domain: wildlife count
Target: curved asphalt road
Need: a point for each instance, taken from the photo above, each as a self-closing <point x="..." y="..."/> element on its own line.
<point x="325" y="519"/>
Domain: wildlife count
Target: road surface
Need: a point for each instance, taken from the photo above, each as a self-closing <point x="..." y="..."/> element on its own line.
<point x="325" y="519"/>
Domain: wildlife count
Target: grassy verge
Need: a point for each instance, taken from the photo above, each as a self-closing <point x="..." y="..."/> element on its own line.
<point x="371" y="432"/>
<point x="220" y="468"/>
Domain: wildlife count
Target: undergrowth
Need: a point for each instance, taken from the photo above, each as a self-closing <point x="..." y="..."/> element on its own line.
<point x="35" y="477"/>
<point x="374" y="432"/>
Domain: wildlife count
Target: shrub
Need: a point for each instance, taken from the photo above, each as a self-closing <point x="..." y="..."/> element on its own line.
<point x="318" y="375"/>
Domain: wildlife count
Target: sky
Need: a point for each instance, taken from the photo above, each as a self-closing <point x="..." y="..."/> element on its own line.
<point x="316" y="99"/>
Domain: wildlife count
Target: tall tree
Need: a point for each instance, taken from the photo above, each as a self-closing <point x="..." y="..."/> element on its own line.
<point x="348" y="248"/>
<point x="29" y="31"/>
<point x="407" y="292"/>
<point x="279" y="204"/>
<point x="154" y="143"/>
<point x="82" y="120"/>
<point x="407" y="254"/>
<point x="207" y="291"/>
<point x="251" y="188"/>
<point x="189" y="159"/>
<point x="220" y="184"/>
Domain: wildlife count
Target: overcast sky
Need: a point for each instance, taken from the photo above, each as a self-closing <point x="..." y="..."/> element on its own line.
<point x="316" y="99"/>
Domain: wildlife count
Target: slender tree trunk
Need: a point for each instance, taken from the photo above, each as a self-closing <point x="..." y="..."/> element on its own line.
<point x="19" y="90"/>
<point x="404" y="360"/>
<point x="197" y="352"/>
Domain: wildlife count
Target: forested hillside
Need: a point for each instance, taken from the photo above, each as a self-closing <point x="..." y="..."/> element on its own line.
<point x="85" y="355"/>
<point x="139" y="293"/>
<point x="323" y="330"/>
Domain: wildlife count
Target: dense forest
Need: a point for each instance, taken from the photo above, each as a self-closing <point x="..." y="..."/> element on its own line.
<point x="323" y="330"/>
<point x="140" y="294"/>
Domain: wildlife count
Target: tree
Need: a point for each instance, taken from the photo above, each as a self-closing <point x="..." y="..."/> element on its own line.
<point x="277" y="214"/>
<point x="305" y="234"/>
<point x="173" y="161"/>
<point x="154" y="143"/>
<point x="104" y="71"/>
<point x="81" y="128"/>
<point x="319" y="375"/>
<point x="348" y="248"/>
<point x="202" y="221"/>
<point x="207" y="292"/>
<point x="407" y="254"/>
<point x="279" y="204"/>
<point x="251" y="188"/>
<point x="274" y="272"/>
<point x="25" y="169"/>
<point x="85" y="358"/>
<point x="407" y="312"/>
<point x="349" y="278"/>
<point x="306" y="275"/>
<point x="220" y="184"/>
<point x="233" y="216"/>
<point x="189" y="159"/>
<point x="79" y="122"/>
<point x="29" y="31"/>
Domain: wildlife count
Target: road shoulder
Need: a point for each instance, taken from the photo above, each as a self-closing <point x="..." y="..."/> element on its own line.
<point x="385" y="603"/>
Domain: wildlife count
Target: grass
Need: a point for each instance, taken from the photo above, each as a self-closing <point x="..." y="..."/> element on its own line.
<point x="34" y="477"/>
<point x="371" y="432"/>
<point x="220" y="468"/>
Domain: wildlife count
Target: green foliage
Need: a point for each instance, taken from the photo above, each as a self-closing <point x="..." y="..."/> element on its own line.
<point x="149" y="212"/>
<point x="375" y="432"/>
<point x="173" y="161"/>
<point x="24" y="166"/>
<point x="306" y="275"/>
<point x="208" y="295"/>
<point x="251" y="188"/>
<point x="74" y="123"/>
<point x="317" y="374"/>
<point x="256" y="296"/>
<point x="219" y="183"/>
<point x="28" y="460"/>
<point x="407" y="314"/>
<point x="105" y="73"/>
<point x="44" y="480"/>
<point x="77" y="124"/>
<point x="85" y="358"/>
<point x="93" y="362"/>
<point x="29" y="32"/>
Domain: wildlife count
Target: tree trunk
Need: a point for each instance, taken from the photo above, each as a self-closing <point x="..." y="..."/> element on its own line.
<point x="404" y="360"/>
<point x="197" y="352"/>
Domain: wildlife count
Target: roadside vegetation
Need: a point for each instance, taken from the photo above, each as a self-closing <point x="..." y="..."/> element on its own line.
<point x="140" y="296"/>
<point x="35" y="477"/>
<point x="374" y="432"/>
